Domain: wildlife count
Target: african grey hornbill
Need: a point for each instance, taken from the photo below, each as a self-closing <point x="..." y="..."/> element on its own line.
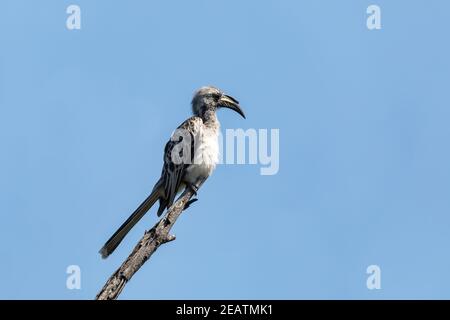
<point x="190" y="156"/>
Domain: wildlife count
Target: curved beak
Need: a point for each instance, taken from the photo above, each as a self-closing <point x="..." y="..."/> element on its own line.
<point x="229" y="102"/>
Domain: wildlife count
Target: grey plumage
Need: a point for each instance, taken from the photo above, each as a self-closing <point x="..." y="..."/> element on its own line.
<point x="199" y="153"/>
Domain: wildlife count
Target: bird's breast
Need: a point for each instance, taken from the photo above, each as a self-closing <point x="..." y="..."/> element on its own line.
<point x="206" y="154"/>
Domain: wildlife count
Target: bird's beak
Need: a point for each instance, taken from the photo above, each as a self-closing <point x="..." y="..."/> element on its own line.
<point x="229" y="102"/>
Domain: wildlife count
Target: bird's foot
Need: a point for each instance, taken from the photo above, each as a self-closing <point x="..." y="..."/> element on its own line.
<point x="194" y="188"/>
<point x="188" y="204"/>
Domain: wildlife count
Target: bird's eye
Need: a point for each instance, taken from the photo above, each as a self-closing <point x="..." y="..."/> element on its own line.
<point x="213" y="96"/>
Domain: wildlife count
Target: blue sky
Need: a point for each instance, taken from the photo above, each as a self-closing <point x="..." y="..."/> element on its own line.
<point x="364" y="160"/>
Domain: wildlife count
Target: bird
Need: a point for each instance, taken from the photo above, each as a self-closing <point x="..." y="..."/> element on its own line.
<point x="190" y="157"/>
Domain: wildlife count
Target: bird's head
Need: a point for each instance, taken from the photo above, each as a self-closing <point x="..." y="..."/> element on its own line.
<point x="211" y="98"/>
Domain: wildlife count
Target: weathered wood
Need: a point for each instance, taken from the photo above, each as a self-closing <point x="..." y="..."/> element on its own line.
<point x="148" y="244"/>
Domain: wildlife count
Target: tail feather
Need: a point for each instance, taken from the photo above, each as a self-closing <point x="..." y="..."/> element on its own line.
<point x="118" y="236"/>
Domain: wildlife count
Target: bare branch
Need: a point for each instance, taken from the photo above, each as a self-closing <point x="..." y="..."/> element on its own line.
<point x="148" y="244"/>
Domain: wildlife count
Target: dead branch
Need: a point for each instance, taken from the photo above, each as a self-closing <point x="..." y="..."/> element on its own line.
<point x="148" y="244"/>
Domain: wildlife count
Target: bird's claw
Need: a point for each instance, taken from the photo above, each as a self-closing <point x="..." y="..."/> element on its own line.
<point x="194" y="188"/>
<point x="188" y="204"/>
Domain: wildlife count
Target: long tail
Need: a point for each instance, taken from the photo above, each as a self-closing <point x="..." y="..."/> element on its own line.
<point x="118" y="236"/>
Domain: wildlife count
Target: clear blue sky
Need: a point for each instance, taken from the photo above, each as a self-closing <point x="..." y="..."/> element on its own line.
<point x="364" y="154"/>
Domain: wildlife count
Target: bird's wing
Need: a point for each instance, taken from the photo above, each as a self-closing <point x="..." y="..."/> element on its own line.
<point x="173" y="171"/>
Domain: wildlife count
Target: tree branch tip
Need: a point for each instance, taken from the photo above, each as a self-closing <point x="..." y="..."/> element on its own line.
<point x="142" y="251"/>
<point x="170" y="237"/>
